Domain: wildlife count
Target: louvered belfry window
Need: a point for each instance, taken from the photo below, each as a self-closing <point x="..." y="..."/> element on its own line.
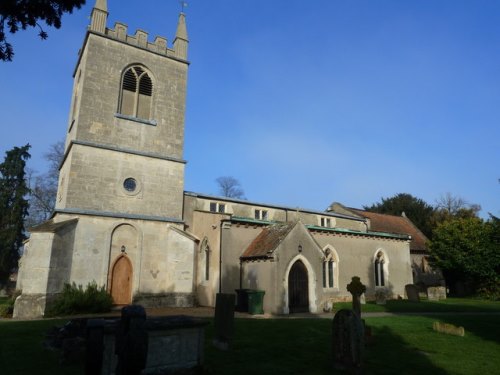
<point x="137" y="91"/>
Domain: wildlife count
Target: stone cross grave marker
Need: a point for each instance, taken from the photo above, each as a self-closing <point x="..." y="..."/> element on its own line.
<point x="356" y="288"/>
<point x="224" y="320"/>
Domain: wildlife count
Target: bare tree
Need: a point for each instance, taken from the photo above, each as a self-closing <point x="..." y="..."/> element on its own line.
<point x="230" y="187"/>
<point x="43" y="187"/>
<point x="453" y="205"/>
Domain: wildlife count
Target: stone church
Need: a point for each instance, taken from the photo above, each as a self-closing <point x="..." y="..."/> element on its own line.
<point x="123" y="219"/>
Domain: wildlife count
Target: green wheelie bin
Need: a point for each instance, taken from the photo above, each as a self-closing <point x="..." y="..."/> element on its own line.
<point x="256" y="301"/>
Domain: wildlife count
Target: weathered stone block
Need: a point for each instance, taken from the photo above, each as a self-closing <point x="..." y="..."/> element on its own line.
<point x="436" y="293"/>
<point x="449" y="329"/>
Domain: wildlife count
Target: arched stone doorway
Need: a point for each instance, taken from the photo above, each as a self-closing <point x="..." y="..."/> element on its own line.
<point x="121" y="281"/>
<point x="298" y="288"/>
<point x="123" y="255"/>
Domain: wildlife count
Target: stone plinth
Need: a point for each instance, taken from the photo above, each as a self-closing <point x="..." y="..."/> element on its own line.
<point x="436" y="293"/>
<point x="174" y="343"/>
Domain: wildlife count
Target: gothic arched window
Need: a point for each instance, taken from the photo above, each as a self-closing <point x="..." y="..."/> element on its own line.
<point x="379" y="269"/>
<point x="136" y="93"/>
<point x="330" y="269"/>
<point x="205" y="256"/>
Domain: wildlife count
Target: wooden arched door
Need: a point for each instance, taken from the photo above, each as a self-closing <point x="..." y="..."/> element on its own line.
<point x="298" y="288"/>
<point x="121" y="281"/>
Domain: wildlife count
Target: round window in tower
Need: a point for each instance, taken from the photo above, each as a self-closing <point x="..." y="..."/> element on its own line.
<point x="130" y="184"/>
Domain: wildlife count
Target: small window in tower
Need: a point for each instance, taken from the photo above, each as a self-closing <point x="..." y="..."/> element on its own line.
<point x="325" y="222"/>
<point x="261" y="214"/>
<point x="136" y="93"/>
<point x="217" y="207"/>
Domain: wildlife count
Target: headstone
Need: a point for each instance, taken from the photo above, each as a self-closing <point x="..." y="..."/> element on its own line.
<point x="356" y="288"/>
<point x="449" y="329"/>
<point x="224" y="320"/>
<point x="381" y="296"/>
<point x="412" y="293"/>
<point x="94" y="348"/>
<point x="436" y="293"/>
<point x="328" y="306"/>
<point x="131" y="343"/>
<point x="347" y="341"/>
<point x="362" y="299"/>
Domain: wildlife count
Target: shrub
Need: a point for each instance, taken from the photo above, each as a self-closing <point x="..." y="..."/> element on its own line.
<point x="7" y="308"/>
<point x="490" y="290"/>
<point x="76" y="300"/>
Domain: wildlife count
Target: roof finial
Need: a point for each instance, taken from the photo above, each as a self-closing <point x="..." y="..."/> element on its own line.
<point x="101" y="5"/>
<point x="99" y="16"/>
<point x="181" y="38"/>
<point x="184" y="4"/>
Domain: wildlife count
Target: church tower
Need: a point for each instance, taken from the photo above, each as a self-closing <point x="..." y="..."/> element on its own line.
<point x="118" y="216"/>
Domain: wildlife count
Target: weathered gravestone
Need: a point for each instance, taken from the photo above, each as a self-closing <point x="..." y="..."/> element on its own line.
<point x="449" y="329"/>
<point x="412" y="293"/>
<point x="224" y="320"/>
<point x="436" y="293"/>
<point x="381" y="296"/>
<point x="362" y="299"/>
<point x="131" y="343"/>
<point x="94" y="347"/>
<point x="347" y="341"/>
<point x="356" y="288"/>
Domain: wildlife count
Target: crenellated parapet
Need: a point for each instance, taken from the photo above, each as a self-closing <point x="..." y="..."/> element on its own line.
<point x="140" y="38"/>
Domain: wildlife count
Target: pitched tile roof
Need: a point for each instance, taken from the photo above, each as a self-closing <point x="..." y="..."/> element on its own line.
<point x="395" y="224"/>
<point x="267" y="241"/>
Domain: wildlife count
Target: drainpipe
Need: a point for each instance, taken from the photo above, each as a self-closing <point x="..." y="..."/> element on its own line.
<point x="220" y="256"/>
<point x="241" y="274"/>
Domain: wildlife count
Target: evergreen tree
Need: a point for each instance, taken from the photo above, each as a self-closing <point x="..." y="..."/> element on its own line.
<point x="21" y="14"/>
<point x="416" y="209"/>
<point x="468" y="250"/>
<point x="13" y="208"/>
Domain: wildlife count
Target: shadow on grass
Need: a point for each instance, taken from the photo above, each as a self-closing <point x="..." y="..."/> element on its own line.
<point x="303" y="346"/>
<point x="452" y="310"/>
<point x="485" y="327"/>
<point x="455" y="311"/>
<point x="391" y="354"/>
<point x="22" y="350"/>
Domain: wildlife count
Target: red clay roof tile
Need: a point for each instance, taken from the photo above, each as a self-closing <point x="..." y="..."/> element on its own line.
<point x="395" y="224"/>
<point x="267" y="240"/>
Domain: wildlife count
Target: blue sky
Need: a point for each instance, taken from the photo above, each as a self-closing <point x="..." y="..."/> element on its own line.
<point x="304" y="102"/>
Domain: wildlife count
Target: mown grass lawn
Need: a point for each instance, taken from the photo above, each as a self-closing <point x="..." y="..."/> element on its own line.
<point x="401" y="345"/>
<point x="449" y="305"/>
<point x="22" y="351"/>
